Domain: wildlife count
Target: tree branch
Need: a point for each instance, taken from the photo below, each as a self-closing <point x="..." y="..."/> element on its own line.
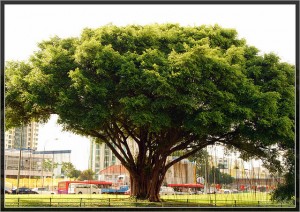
<point x="106" y="141"/>
<point x="117" y="141"/>
<point x="124" y="142"/>
<point x="134" y="137"/>
<point x="189" y="153"/>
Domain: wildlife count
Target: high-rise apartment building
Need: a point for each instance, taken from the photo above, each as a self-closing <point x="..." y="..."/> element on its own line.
<point x="101" y="157"/>
<point x="22" y="137"/>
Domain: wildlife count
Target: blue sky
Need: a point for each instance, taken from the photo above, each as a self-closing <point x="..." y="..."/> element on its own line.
<point x="270" y="28"/>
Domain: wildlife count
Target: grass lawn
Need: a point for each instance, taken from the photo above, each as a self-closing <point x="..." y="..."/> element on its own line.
<point x="110" y="200"/>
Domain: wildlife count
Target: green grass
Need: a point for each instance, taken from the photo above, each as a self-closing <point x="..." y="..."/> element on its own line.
<point x="110" y="200"/>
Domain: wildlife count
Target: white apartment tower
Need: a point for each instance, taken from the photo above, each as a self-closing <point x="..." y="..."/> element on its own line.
<point x="102" y="157"/>
<point x="27" y="138"/>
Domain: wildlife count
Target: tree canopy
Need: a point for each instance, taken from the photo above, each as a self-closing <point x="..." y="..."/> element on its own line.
<point x="67" y="169"/>
<point x="166" y="88"/>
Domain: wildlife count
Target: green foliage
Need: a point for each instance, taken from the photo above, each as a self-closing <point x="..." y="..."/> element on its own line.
<point x="48" y="165"/>
<point x="68" y="169"/>
<point x="165" y="87"/>
<point x="87" y="175"/>
<point x="286" y="191"/>
<point x="216" y="176"/>
<point x="211" y="173"/>
<point x="75" y="174"/>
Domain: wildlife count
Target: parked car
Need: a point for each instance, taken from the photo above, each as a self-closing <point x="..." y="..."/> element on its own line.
<point x="224" y="191"/>
<point x="7" y="191"/>
<point x="227" y="191"/>
<point x="43" y="191"/>
<point x="127" y="192"/>
<point x="192" y="191"/>
<point x="181" y="193"/>
<point x="166" y="191"/>
<point x="23" y="191"/>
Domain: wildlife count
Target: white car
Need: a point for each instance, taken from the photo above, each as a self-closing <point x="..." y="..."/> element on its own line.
<point x="166" y="191"/>
<point x="43" y="191"/>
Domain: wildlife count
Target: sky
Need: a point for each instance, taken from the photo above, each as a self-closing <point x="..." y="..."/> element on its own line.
<point x="270" y="28"/>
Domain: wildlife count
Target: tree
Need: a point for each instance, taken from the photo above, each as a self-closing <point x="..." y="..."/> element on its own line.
<point x="164" y="88"/>
<point x="75" y="173"/>
<point x="68" y="169"/>
<point x="216" y="176"/>
<point x="286" y="190"/>
<point x="201" y="159"/>
<point x="87" y="175"/>
<point x="209" y="172"/>
<point x="48" y="165"/>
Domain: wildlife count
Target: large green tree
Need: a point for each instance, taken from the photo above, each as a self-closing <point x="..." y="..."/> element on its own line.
<point x="164" y="88"/>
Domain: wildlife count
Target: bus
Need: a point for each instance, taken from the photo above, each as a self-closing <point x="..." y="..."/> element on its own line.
<point x="188" y="188"/>
<point x="64" y="186"/>
<point x="79" y="188"/>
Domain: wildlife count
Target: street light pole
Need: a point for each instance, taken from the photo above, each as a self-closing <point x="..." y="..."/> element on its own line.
<point x="43" y="168"/>
<point x="236" y="175"/>
<point x="20" y="156"/>
<point x="43" y="161"/>
<point x="30" y="165"/>
<point x="206" y="176"/>
<point x="52" y="169"/>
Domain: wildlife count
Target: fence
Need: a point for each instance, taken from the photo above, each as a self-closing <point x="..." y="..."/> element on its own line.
<point x="11" y="202"/>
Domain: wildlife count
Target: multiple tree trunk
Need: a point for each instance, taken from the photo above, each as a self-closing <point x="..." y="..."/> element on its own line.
<point x="145" y="187"/>
<point x="149" y="164"/>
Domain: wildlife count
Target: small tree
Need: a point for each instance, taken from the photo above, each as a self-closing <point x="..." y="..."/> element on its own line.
<point x="201" y="159"/>
<point x="67" y="169"/>
<point x="215" y="175"/>
<point x="286" y="190"/>
<point x="48" y="165"/>
<point x="87" y="175"/>
<point x="75" y="174"/>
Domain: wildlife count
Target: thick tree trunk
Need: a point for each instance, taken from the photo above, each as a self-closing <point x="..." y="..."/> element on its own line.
<point x="145" y="185"/>
<point x="139" y="187"/>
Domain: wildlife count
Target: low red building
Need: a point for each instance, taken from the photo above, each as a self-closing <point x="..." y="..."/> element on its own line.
<point x="117" y="174"/>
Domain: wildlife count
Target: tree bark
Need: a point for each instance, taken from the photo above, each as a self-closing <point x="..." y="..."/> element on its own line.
<point x="146" y="183"/>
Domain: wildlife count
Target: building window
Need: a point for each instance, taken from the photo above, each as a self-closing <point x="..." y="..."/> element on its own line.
<point x="113" y="160"/>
